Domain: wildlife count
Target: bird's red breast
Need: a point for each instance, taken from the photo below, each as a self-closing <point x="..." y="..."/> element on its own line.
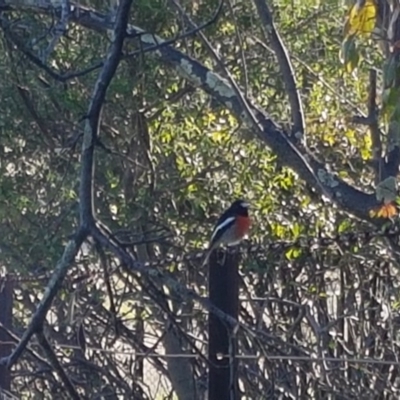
<point x="242" y="226"/>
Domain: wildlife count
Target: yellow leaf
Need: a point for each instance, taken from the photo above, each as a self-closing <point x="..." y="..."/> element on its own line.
<point x="362" y="18"/>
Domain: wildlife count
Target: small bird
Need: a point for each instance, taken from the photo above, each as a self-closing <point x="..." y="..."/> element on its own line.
<point x="231" y="227"/>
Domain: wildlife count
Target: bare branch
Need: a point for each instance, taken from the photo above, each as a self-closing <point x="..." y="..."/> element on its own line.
<point x="104" y="266"/>
<point x="59" y="29"/>
<point x="57" y="366"/>
<point x="285" y="66"/>
<point x="361" y="120"/>
<point x="94" y="115"/>
<point x="317" y="76"/>
<point x="27" y="99"/>
<point x="133" y="267"/>
<point x="371" y="120"/>
<point x="374" y="128"/>
<point x="390" y="23"/>
<point x="34" y="354"/>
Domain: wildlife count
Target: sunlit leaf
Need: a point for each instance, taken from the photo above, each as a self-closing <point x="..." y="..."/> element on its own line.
<point x="293" y="253"/>
<point x="361" y="19"/>
<point x="396" y="305"/>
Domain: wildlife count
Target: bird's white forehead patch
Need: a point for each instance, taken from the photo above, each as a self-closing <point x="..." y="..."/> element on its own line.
<point x="244" y="204"/>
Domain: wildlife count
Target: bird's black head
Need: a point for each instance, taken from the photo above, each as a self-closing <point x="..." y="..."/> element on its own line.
<point x="240" y="207"/>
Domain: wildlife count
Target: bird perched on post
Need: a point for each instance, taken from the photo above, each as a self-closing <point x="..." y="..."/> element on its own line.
<point x="231" y="227"/>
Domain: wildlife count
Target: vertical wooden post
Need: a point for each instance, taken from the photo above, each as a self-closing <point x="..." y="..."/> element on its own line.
<point x="139" y="337"/>
<point x="224" y="293"/>
<point x="6" y="305"/>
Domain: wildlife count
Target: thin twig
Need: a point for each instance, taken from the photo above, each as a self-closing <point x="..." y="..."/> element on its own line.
<point x="16" y="339"/>
<point x="241" y="47"/>
<point x="317" y="76"/>
<point x="106" y="276"/>
<point x="133" y="267"/>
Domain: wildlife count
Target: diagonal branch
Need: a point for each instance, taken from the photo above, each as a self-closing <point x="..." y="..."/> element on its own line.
<point x="33" y="353"/>
<point x="285" y="66"/>
<point x="106" y="276"/>
<point x="51" y="356"/>
<point x="51" y="291"/>
<point x="347" y="197"/>
<point x="29" y="104"/>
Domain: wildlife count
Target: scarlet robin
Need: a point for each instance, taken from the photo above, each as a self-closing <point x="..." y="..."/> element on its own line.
<point x="231" y="227"/>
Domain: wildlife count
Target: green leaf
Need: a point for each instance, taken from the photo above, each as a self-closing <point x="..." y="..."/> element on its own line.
<point x="349" y="54"/>
<point x="390" y="68"/>
<point x="293" y="253"/>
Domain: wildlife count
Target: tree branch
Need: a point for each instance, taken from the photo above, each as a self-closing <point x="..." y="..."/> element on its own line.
<point x="285" y="66"/>
<point x="347" y="197"/>
<point x="371" y="120"/>
<point x="59" y="30"/>
<point x="51" y="291"/>
<point x="86" y="183"/>
<point x="51" y="356"/>
<point x="94" y="115"/>
<point x="389" y="22"/>
<point x="374" y="127"/>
